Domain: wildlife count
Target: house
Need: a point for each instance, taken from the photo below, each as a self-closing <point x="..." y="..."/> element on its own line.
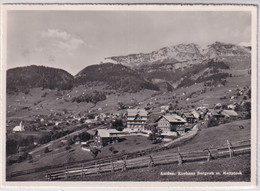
<point x="150" y="126"/>
<point x="100" y="117"/>
<point x="202" y="111"/>
<point x="107" y="136"/>
<point x="218" y="106"/>
<point x="189" y="117"/>
<point x="232" y="106"/>
<point x="195" y="114"/>
<point x="215" y="113"/>
<point x="171" y="123"/>
<point x="164" y="108"/>
<point x="136" y="119"/>
<point x="90" y="121"/>
<point x="19" y="127"/>
<point x="229" y="113"/>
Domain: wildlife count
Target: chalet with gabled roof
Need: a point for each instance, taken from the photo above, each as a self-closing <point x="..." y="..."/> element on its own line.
<point x="136" y="119"/>
<point x="189" y="117"/>
<point x="171" y="123"/>
<point x="107" y="136"/>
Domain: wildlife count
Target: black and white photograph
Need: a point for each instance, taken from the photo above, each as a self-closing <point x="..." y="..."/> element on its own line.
<point x="147" y="94"/>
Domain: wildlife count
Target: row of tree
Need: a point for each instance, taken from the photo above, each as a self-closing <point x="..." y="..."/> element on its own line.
<point x="90" y="98"/>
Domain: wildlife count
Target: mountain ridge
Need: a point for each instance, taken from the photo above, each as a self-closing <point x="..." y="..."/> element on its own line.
<point x="164" y="69"/>
<point x="181" y="53"/>
<point x="23" y="78"/>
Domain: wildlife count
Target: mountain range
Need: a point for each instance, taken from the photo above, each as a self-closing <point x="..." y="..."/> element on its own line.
<point x="189" y="54"/>
<point x="164" y="69"/>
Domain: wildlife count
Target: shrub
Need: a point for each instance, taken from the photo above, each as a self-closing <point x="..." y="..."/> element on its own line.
<point x="46" y="150"/>
<point x="30" y="157"/>
<point x="68" y="147"/>
<point x="112" y="149"/>
<point x="84" y="136"/>
<point x="90" y="98"/>
<point x="212" y="122"/>
<point x="44" y="95"/>
<point x="95" y="152"/>
<point x="115" y="151"/>
<point x="11" y="146"/>
<point x="123" y="152"/>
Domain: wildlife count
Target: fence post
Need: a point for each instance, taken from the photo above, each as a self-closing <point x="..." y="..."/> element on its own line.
<point x="66" y="173"/>
<point x="48" y="175"/>
<point x="179" y="157"/>
<point x="124" y="168"/>
<point x="151" y="162"/>
<point x="97" y="168"/>
<point x="112" y="166"/>
<point x="82" y="171"/>
<point x="231" y="152"/>
<point x="209" y="155"/>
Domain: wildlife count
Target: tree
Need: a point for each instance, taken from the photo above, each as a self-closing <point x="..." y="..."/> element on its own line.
<point x="91" y="116"/>
<point x="11" y="146"/>
<point x="249" y="93"/>
<point x="30" y="157"/>
<point x="70" y="142"/>
<point x="31" y="139"/>
<point x="84" y="136"/>
<point x="111" y="149"/>
<point x="117" y="123"/>
<point x="224" y="106"/>
<point x="155" y="136"/>
<point x="121" y="105"/>
<point x="238" y="108"/>
<point x="46" y="150"/>
<point x="212" y="122"/>
<point x="95" y="152"/>
<point x="247" y="107"/>
<point x="45" y="139"/>
<point x="68" y="147"/>
<point x="123" y="152"/>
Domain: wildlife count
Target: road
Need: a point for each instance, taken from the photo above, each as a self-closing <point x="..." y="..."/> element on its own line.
<point x="189" y="135"/>
<point x="61" y="138"/>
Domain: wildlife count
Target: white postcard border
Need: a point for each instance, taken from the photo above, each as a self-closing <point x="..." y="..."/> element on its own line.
<point x="65" y="7"/>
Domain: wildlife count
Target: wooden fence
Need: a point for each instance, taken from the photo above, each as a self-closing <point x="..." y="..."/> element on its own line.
<point x="115" y="157"/>
<point x="127" y="162"/>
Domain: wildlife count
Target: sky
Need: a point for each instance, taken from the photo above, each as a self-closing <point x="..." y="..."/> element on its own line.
<point x="72" y="40"/>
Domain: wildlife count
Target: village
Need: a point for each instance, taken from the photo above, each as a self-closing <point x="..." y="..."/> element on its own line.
<point x="95" y="134"/>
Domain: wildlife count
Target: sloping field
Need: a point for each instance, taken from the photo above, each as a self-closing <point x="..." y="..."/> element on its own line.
<point x="209" y="137"/>
<point x="222" y="166"/>
<point x="215" y="136"/>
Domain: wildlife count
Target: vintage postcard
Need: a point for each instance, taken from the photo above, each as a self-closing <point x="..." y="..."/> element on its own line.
<point x="129" y="95"/>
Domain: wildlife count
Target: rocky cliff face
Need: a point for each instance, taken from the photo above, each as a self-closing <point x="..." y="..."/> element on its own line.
<point x="219" y="49"/>
<point x="188" y="54"/>
<point x="170" y="64"/>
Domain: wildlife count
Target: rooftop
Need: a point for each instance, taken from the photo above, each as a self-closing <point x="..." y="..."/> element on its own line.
<point x="134" y="112"/>
<point x="173" y="118"/>
<point x="108" y="132"/>
<point x="230" y="113"/>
